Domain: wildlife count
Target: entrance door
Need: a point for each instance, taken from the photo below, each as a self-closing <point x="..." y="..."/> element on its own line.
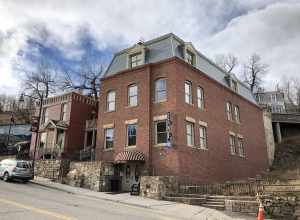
<point x="130" y="176"/>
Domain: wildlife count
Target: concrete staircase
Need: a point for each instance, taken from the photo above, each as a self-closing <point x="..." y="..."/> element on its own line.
<point x="214" y="202"/>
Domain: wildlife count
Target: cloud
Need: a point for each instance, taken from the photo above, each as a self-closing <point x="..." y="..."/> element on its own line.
<point x="272" y="32"/>
<point x="213" y="25"/>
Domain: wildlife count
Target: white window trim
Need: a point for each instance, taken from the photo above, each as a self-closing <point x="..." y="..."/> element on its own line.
<point x="232" y="133"/>
<point x="128" y="95"/>
<point x="131" y="146"/>
<point x="131" y="121"/>
<point x="240" y="138"/>
<point x="193" y="134"/>
<point x="136" y="49"/>
<point x="110" y="125"/>
<point x="190" y="47"/>
<point x="107" y="102"/>
<point x="190" y="92"/>
<point x="199" y="88"/>
<point x="155" y="131"/>
<point x="155" y="91"/>
<point x="206" y="142"/>
<point x="160" y="117"/>
<point x="190" y="119"/>
<point x="235" y="142"/>
<point x="108" y="149"/>
<point x="202" y="123"/>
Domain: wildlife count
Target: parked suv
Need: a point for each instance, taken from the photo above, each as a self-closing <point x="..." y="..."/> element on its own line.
<point x="16" y="169"/>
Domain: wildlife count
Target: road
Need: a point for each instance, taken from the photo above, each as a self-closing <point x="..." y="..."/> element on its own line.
<point x="31" y="201"/>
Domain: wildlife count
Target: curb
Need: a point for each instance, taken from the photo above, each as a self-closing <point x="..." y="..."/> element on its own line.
<point x="51" y="187"/>
<point x="91" y="196"/>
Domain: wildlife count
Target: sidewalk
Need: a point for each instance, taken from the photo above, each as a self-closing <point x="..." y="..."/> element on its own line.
<point x="172" y="209"/>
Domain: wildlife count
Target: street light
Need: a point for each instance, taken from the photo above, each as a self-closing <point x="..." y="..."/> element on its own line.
<point x="36" y="130"/>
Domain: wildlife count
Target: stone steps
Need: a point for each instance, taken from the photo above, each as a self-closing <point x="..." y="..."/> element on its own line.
<point x="185" y="200"/>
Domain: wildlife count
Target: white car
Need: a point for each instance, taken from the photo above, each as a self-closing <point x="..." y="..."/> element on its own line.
<point x="16" y="169"/>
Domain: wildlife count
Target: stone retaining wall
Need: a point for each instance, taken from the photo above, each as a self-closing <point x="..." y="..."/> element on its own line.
<point x="51" y="169"/>
<point x="85" y="175"/>
<point x="156" y="187"/>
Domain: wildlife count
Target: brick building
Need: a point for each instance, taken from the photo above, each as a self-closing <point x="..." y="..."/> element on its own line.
<point x="65" y="126"/>
<point x="168" y="110"/>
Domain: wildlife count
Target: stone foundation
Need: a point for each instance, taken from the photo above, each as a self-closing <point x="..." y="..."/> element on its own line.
<point x="156" y="187"/>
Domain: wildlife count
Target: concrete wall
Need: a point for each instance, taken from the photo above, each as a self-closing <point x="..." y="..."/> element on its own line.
<point x="267" y="117"/>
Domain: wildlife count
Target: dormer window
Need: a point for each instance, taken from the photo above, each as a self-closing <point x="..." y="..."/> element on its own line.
<point x="190" y="57"/>
<point x="136" y="60"/>
<point x="234" y="85"/>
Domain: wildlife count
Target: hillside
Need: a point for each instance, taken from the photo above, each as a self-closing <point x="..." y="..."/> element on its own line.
<point x="286" y="164"/>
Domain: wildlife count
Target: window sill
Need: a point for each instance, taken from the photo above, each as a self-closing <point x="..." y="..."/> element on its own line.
<point x="108" y="150"/>
<point x="159" y="102"/>
<point x="161" y="145"/>
<point x="110" y="111"/>
<point x="129" y="147"/>
<point x="191" y="104"/>
<point x="198" y="147"/>
<point x="132" y="106"/>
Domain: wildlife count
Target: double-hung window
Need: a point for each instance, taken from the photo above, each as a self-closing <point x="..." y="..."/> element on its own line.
<point x="237" y="114"/>
<point x="190" y="134"/>
<point x="229" y="111"/>
<point x="136" y="60"/>
<point x="241" y="147"/>
<point x="203" y="137"/>
<point x="161" y="132"/>
<point x="188" y="92"/>
<point x="232" y="144"/>
<point x="200" y="97"/>
<point x="131" y="135"/>
<point x="63" y="115"/>
<point x="133" y="95"/>
<point x="109" y="138"/>
<point x="190" y="57"/>
<point x="111" y="101"/>
<point x="160" y="90"/>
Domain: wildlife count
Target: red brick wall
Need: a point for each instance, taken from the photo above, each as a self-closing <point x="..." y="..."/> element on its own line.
<point x="78" y="111"/>
<point x="190" y="164"/>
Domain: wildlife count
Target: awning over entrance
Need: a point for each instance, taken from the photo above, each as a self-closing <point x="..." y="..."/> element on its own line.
<point x="126" y="156"/>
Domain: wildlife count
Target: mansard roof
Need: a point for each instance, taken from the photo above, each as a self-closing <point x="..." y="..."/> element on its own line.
<point x="168" y="46"/>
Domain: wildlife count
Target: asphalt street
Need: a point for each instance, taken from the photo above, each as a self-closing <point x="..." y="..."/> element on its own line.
<point x="20" y="201"/>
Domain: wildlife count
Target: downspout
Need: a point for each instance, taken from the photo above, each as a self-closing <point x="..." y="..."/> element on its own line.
<point x="150" y="122"/>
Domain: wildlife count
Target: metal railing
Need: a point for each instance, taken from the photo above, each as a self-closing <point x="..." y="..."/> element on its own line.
<point x="87" y="154"/>
<point x="49" y="152"/>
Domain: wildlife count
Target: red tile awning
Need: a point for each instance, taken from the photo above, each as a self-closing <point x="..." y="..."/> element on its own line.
<point x="126" y="156"/>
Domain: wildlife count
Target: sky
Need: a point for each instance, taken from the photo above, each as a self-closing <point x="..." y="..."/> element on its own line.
<point x="65" y="31"/>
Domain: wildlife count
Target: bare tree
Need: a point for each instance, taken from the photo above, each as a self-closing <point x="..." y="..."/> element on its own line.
<point x="254" y="71"/>
<point x="86" y="78"/>
<point x="43" y="80"/>
<point x="227" y="62"/>
<point x="291" y="88"/>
